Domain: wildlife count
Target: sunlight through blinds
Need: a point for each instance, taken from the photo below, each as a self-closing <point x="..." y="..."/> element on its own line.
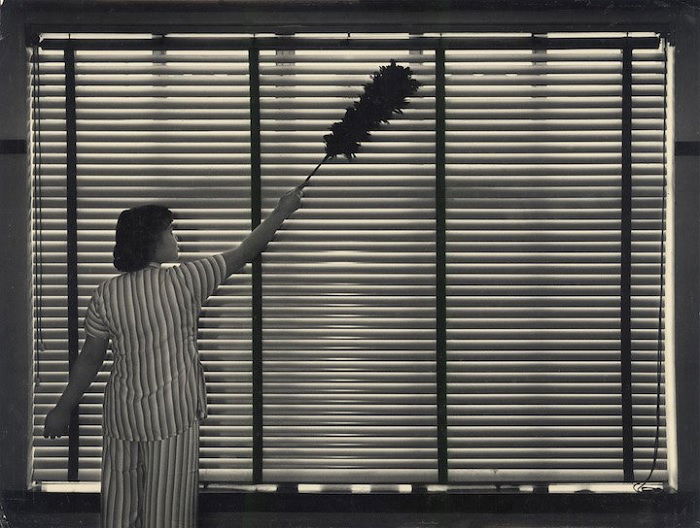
<point x="349" y="309"/>
<point x="533" y="185"/>
<point x="648" y="172"/>
<point x="49" y="256"/>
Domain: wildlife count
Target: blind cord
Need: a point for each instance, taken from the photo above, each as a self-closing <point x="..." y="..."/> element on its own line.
<point x="642" y="486"/>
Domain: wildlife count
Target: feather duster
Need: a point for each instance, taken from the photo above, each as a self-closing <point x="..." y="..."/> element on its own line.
<point x="382" y="97"/>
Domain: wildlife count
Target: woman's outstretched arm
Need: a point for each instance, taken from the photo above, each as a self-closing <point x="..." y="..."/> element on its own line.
<point x="82" y="375"/>
<point x="257" y="241"/>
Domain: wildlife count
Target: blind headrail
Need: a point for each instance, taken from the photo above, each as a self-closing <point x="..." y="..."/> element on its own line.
<point x="466" y="43"/>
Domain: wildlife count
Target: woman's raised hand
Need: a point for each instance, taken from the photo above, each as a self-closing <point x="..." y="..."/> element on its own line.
<point x="57" y="422"/>
<point x="290" y="201"/>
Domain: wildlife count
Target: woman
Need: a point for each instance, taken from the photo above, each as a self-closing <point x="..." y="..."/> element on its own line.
<point x="155" y="398"/>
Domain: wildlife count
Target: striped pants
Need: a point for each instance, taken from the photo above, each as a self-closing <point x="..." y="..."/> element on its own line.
<point x="151" y="484"/>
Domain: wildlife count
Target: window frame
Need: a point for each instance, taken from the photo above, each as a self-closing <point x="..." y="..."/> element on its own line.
<point x="420" y="43"/>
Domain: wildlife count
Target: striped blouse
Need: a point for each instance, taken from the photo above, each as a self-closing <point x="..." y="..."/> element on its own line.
<point x="156" y="387"/>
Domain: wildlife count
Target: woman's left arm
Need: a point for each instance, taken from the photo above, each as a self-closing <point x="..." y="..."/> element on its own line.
<point x="82" y="375"/>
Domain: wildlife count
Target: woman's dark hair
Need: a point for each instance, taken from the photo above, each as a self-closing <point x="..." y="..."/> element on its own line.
<point x="138" y="230"/>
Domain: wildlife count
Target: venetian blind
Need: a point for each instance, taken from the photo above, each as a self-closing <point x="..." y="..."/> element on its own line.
<point x="349" y="328"/>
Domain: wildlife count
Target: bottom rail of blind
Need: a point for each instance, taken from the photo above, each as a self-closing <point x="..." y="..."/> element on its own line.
<point x="476" y="488"/>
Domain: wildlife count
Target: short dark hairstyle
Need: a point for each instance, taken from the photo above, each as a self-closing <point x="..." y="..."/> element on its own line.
<point x="138" y="229"/>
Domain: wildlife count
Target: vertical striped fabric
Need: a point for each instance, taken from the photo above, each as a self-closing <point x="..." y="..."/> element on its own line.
<point x="156" y="388"/>
<point x="151" y="484"/>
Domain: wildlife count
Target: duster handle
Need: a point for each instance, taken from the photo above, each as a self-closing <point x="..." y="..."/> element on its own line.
<point x="314" y="172"/>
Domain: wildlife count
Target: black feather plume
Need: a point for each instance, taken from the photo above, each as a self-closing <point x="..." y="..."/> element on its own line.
<point x="382" y="97"/>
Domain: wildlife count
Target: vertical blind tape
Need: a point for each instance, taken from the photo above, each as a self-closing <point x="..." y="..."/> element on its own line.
<point x="72" y="251"/>
<point x="257" y="300"/>
<point x="440" y="265"/>
<point x="626" y="267"/>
